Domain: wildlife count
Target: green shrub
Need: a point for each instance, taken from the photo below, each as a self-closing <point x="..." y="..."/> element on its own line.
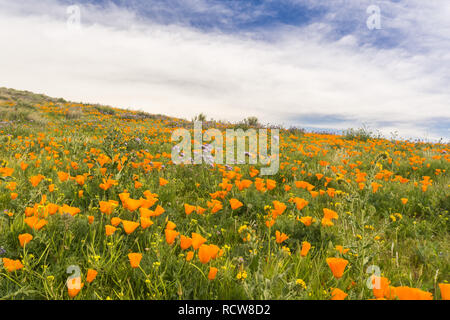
<point x="361" y="134"/>
<point x="252" y="121"/>
<point x="200" y="117"/>
<point x="74" y="113"/>
<point x="105" y="110"/>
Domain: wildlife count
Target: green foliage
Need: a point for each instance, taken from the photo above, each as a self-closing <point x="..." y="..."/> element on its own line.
<point x="361" y="134"/>
<point x="74" y="113"/>
<point x="105" y="110"/>
<point x="251" y="122"/>
<point x="200" y="117"/>
<point x="21" y="112"/>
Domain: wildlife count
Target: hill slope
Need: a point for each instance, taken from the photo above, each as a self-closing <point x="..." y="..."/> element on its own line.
<point x="89" y="194"/>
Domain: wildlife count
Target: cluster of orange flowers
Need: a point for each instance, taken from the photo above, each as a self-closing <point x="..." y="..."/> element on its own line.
<point x="382" y="290"/>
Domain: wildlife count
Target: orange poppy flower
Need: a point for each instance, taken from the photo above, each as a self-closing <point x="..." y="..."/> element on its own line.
<point x="170" y="236"/>
<point x="200" y="210"/>
<point x="43" y="200"/>
<point x="300" y="203"/>
<point x="163" y="182"/>
<point x="107" y="207"/>
<point x="270" y="223"/>
<point x="337" y="266"/>
<point x="307" y="221"/>
<point x="341" y="249"/>
<point x="107" y="184"/>
<point x="74" y="165"/>
<point x="110" y="230"/>
<point x="158" y="211"/>
<point x="313" y="193"/>
<point x="91" y="274"/>
<point x="375" y="186"/>
<point x="123" y="196"/>
<point x="35" y="180"/>
<point x="63" y="176"/>
<point x="244" y="184"/>
<point x="189" y="255"/>
<point x="70" y="210"/>
<point x="14" y="196"/>
<point x="280" y="237"/>
<point x="74" y="286"/>
<point x="324" y="163"/>
<point x="215" y="206"/>
<point x="31" y="211"/>
<point x="445" y="291"/>
<point x="380" y="287"/>
<point x="11" y="186"/>
<point x="271" y="184"/>
<point x="12" y="265"/>
<point x="214" y="251"/>
<point x="115" y="221"/>
<point x="6" y="172"/>
<point x="185" y="242"/>
<point x="129" y="226"/>
<point x="279" y="208"/>
<point x="170" y="225"/>
<point x="135" y="259"/>
<point x="23" y="166"/>
<point x="197" y="240"/>
<point x="24" y="239"/>
<point x="330" y="214"/>
<point x="306" y="246"/>
<point x="131" y="204"/>
<point x="204" y="253"/>
<point x="80" y="180"/>
<point x="338" y="294"/>
<point x="220" y="194"/>
<point x="327" y="222"/>
<point x="407" y="293"/>
<point x="300" y="184"/>
<point x="150" y="196"/>
<point x="212" y="273"/>
<point x="235" y="204"/>
<point x="52" y="208"/>
<point x="188" y="209"/>
<point x="146" y="222"/>
<point x="253" y="172"/>
<point x="35" y="223"/>
<point x="146" y="213"/>
<point x="304" y="185"/>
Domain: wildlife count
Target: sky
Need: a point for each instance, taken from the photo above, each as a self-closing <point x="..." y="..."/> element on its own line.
<point x="313" y="64"/>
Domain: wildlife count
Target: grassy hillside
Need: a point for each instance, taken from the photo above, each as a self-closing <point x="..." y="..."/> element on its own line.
<point x="9" y="95"/>
<point x="91" y="207"/>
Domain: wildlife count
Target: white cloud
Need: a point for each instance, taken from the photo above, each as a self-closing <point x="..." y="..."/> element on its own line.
<point x="121" y="60"/>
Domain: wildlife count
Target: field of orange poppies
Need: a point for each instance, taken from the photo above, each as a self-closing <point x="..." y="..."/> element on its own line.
<point x="91" y="207"/>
